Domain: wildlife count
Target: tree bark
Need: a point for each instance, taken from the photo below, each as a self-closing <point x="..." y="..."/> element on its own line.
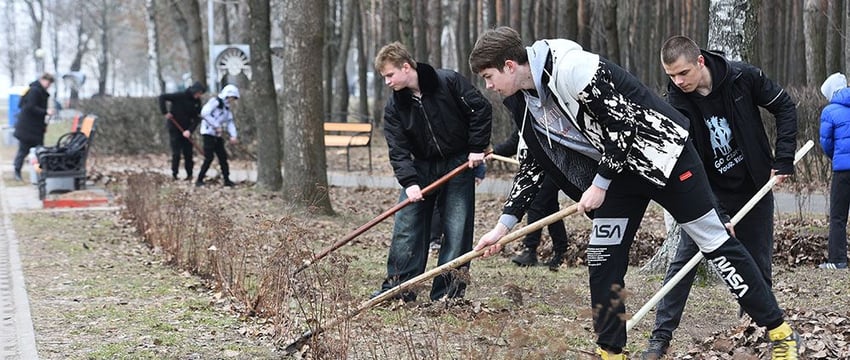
<point x="264" y="97"/>
<point x="833" y="32"/>
<point x="435" y="33"/>
<point x="341" y="93"/>
<point x="188" y="17"/>
<point x="35" y="9"/>
<point x="463" y="44"/>
<point x="305" y="166"/>
<point x="154" y="71"/>
<point x="12" y="53"/>
<point x="362" y="63"/>
<point x="812" y="20"/>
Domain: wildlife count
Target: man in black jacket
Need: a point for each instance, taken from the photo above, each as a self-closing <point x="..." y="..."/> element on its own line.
<point x="434" y="121"/>
<point x="31" y="124"/>
<point x="722" y="100"/>
<point x="182" y="119"/>
<point x="596" y="126"/>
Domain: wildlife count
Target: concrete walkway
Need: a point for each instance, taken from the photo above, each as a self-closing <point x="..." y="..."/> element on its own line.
<point x="17" y="337"/>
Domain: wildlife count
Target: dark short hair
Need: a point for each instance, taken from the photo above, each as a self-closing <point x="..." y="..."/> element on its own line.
<point x="48" y="77"/>
<point x="496" y="46"/>
<point x="679" y="46"/>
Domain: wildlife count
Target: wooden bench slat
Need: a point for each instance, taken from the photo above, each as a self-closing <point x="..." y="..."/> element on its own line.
<point x="352" y="127"/>
<point x="342" y="140"/>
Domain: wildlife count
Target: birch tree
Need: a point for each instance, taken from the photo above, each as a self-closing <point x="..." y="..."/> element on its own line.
<point x="13" y="61"/>
<point x="154" y="72"/>
<point x="813" y="21"/>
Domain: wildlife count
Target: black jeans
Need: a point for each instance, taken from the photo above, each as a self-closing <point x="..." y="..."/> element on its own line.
<point x="839" y="204"/>
<point x="545" y="203"/>
<point x="755" y="232"/>
<point x="23" y="151"/>
<point x="214" y="146"/>
<point x="180" y="146"/>
<point x="686" y="197"/>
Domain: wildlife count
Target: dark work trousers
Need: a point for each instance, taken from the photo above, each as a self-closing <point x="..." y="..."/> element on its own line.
<point x="214" y="146"/>
<point x="839" y="204"/>
<point x="686" y="197"/>
<point x="545" y="203"/>
<point x="24" y="150"/>
<point x="180" y="146"/>
<point x="408" y="255"/>
<point x="755" y="231"/>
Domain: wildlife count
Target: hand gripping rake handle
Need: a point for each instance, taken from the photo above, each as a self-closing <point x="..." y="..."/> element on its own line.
<point x="297" y="344"/>
<point x="461" y="168"/>
<point x="699" y="256"/>
<point x="188" y="138"/>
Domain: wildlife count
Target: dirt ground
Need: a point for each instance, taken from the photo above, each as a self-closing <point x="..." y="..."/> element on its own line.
<point x="97" y="292"/>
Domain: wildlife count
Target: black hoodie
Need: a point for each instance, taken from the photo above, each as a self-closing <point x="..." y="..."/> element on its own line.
<point x="744" y="88"/>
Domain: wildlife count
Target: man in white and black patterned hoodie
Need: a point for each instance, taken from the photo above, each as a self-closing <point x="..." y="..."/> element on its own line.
<point x="584" y="104"/>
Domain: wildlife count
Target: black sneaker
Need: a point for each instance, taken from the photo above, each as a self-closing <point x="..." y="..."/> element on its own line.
<point x="174" y="177"/>
<point x="528" y="257"/>
<point x="199" y="183"/>
<point x="555" y="262"/>
<point x="18" y="176"/>
<point x="228" y="183"/>
<point x="656" y="349"/>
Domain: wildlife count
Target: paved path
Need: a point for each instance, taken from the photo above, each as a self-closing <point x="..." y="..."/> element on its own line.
<point x="17" y="337"/>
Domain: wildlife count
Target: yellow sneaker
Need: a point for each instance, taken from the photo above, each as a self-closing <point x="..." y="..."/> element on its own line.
<point x="604" y="355"/>
<point x="785" y="343"/>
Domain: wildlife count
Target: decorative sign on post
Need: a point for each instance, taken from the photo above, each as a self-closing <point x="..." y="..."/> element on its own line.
<point x="232" y="60"/>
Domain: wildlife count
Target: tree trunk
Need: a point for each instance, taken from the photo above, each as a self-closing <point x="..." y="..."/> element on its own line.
<point x="435" y="33"/>
<point x="812" y="21"/>
<point x="264" y="97"/>
<point x="339" y="97"/>
<point x="12" y="53"/>
<point x="188" y="17"/>
<point x="610" y="28"/>
<point x="362" y="63"/>
<point x="420" y="31"/>
<point x="36" y="12"/>
<point x="846" y="36"/>
<point x="834" y="28"/>
<point x="463" y="45"/>
<point x="306" y="181"/>
<point x="103" y="59"/>
<point x="154" y="73"/>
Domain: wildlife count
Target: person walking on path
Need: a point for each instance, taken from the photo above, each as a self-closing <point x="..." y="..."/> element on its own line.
<point x="639" y="151"/>
<point x="544" y="204"/>
<point x="182" y="118"/>
<point x="835" y="141"/>
<point x="216" y="117"/>
<point x="31" y="124"/>
<point x="434" y="121"/>
<point x="722" y="100"/>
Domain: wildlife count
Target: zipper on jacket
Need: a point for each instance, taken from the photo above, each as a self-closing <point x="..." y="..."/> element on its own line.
<point x="463" y="100"/>
<point x="425" y="115"/>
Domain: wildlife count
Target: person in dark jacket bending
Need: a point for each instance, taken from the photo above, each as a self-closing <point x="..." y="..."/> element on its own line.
<point x="184" y="110"/>
<point x="597" y="126"/>
<point x="31" y="124"/>
<point x="722" y="100"/>
<point x="434" y="121"/>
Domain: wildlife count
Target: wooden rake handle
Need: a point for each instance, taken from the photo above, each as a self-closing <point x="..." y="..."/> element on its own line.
<point x="699" y="256"/>
<point x="457" y="262"/>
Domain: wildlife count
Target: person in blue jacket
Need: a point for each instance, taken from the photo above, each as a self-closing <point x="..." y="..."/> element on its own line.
<point x="835" y="141"/>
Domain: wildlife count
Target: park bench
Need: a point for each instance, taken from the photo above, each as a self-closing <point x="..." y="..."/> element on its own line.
<point x="343" y="134"/>
<point x="62" y="168"/>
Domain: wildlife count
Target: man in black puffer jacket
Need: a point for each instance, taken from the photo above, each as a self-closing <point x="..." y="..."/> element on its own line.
<point x="185" y="111"/>
<point x="31" y="124"/>
<point x="434" y="121"/>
